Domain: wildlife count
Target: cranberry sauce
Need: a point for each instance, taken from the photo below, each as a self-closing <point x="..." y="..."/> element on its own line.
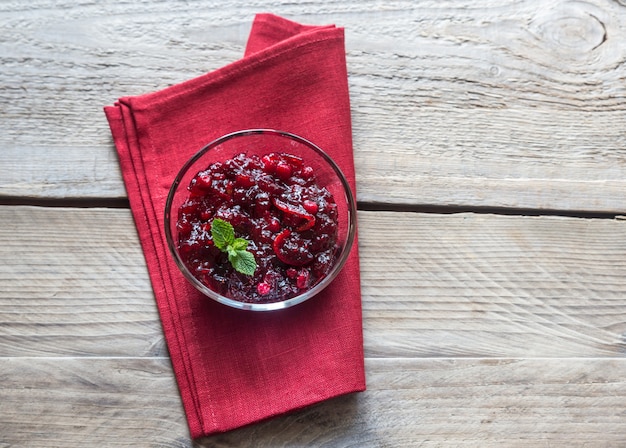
<point x="276" y="204"/>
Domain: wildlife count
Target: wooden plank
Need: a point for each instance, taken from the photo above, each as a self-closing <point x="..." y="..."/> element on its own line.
<point x="485" y="285"/>
<point x="72" y="402"/>
<point x="495" y="105"/>
<point x="77" y="402"/>
<point x="433" y="285"/>
<point x="74" y="282"/>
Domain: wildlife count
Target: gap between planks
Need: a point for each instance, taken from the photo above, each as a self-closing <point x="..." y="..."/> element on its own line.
<point x="362" y="206"/>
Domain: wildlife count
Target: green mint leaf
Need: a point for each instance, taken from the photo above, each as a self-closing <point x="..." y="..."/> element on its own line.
<point x="232" y="253"/>
<point x="224" y="239"/>
<point x="243" y="262"/>
<point x="223" y="234"/>
<point x="239" y="244"/>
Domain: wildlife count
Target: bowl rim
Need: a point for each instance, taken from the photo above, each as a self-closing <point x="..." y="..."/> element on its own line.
<point x="336" y="268"/>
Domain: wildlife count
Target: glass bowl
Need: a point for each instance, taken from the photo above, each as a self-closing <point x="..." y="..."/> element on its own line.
<point x="291" y="229"/>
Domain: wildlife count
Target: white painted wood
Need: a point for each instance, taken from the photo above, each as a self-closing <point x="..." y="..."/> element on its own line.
<point x="435" y="285"/>
<point x="125" y="402"/>
<point x="484" y="285"/>
<point x="74" y="282"/>
<point x="502" y="104"/>
<point x="479" y="330"/>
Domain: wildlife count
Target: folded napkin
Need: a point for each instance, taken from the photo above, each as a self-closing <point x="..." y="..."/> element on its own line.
<point x="236" y="367"/>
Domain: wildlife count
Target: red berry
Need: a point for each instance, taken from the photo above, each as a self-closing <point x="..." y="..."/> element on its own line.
<point x="302" y="280"/>
<point x="310" y="206"/>
<point x="269" y="162"/>
<point x="291" y="249"/>
<point x="292" y="160"/>
<point x="184" y="228"/>
<point x="274" y="225"/>
<point x="261" y="208"/>
<point x="306" y="172"/>
<point x="283" y="170"/>
<point x="244" y="180"/>
<point x="228" y="186"/>
<point x="263" y="289"/>
<point x="293" y="211"/>
<point x="201" y="183"/>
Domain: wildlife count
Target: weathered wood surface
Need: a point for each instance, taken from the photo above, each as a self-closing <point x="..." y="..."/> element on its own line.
<point x="76" y="285"/>
<point x="463" y="285"/>
<point x="501" y="104"/>
<point x="480" y="331"/>
<point x="128" y="402"/>
<point x="488" y="331"/>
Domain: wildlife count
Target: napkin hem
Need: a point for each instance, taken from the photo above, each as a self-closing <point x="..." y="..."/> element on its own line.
<point x="169" y="314"/>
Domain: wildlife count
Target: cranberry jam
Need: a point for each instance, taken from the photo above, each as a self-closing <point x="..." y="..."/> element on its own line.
<point x="274" y="202"/>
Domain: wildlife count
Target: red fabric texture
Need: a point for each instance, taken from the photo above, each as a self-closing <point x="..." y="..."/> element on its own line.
<point x="237" y="367"/>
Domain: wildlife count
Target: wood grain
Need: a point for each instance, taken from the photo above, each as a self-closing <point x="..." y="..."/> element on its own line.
<point x="480" y="330"/>
<point x="78" y="402"/>
<point x="464" y="285"/>
<point x="502" y="104"/>
<point x="74" y="282"/>
<point x="485" y="285"/>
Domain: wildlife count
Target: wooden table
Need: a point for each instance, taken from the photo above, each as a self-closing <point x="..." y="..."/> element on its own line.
<point x="490" y="147"/>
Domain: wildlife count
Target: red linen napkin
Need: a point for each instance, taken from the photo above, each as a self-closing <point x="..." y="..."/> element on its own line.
<point x="236" y="367"/>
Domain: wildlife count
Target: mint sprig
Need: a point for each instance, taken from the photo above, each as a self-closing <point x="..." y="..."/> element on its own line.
<point x="224" y="239"/>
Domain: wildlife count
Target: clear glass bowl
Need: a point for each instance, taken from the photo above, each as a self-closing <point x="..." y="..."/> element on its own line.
<point x="260" y="142"/>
